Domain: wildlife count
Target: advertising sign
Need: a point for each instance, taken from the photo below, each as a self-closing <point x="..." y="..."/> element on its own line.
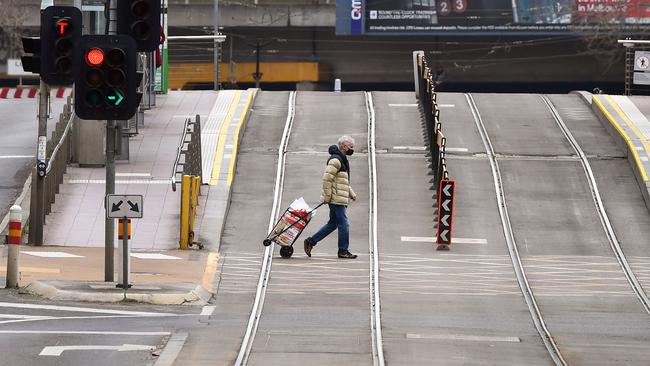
<point x="392" y="17"/>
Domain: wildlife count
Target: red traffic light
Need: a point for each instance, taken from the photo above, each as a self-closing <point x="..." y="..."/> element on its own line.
<point x="94" y="57"/>
<point x="63" y="26"/>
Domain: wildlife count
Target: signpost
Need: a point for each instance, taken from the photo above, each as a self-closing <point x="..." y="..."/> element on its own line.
<point x="124" y="207"/>
<point x="445" y="213"/>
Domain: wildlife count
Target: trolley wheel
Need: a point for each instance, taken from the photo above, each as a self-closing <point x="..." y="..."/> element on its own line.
<point x="286" y="252"/>
<point x="266" y="242"/>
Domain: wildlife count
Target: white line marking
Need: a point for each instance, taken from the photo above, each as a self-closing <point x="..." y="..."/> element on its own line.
<point x="64" y="332"/>
<point x="101" y="181"/>
<point x="172" y="349"/>
<point x="16" y="156"/>
<point x="446" y="105"/>
<point x="458" y="337"/>
<point x="79" y="309"/>
<point x="208" y="310"/>
<point x="133" y="174"/>
<point x="402" y="105"/>
<point x="456" y="149"/>
<point x="153" y="256"/>
<point x="57" y="350"/>
<point x="453" y="240"/>
<point x="416" y="148"/>
<point x="53" y="255"/>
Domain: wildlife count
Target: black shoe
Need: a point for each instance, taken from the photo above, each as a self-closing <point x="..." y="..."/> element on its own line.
<point x="347" y="255"/>
<point x="308" y="246"/>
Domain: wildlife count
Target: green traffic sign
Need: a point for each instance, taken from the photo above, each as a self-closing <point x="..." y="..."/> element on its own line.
<point x="116" y="99"/>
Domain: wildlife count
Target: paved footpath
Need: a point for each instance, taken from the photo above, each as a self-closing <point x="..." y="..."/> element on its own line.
<point x="71" y="263"/>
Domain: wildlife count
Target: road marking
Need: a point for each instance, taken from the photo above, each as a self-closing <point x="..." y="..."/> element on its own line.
<point x="53" y="255"/>
<point x="16" y="156"/>
<point x="102" y="181"/>
<point x="79" y="309"/>
<point x="244" y="112"/>
<point x="208" y="310"/>
<point x="446" y="105"/>
<point x="133" y="174"/>
<point x="453" y="240"/>
<point x="458" y="337"/>
<point x="154" y="256"/>
<point x="456" y="149"/>
<point x="415" y="148"/>
<point x="57" y="350"/>
<point x="65" y="332"/>
<point x="209" y="272"/>
<point x="172" y="349"/>
<point x="402" y="105"/>
<point x="222" y="137"/>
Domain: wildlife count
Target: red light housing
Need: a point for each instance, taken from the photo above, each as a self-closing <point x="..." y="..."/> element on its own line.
<point x="95" y="57"/>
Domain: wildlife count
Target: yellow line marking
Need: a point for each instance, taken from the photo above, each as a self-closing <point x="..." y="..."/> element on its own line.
<point x="210" y="270"/>
<point x="223" y="134"/>
<point x="236" y="138"/>
<point x="622" y="132"/>
<point x="632" y="125"/>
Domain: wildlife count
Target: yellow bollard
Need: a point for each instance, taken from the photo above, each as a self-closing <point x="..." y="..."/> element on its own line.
<point x="185" y="212"/>
<point x="194" y="200"/>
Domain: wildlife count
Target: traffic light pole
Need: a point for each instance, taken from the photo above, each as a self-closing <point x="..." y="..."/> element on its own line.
<point x="38" y="217"/>
<point x="109" y="225"/>
<point x="216" y="45"/>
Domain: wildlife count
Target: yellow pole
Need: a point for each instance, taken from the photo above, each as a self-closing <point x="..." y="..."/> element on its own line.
<point x="185" y="212"/>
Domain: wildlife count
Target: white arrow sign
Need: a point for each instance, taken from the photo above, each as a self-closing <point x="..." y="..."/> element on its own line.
<point x="57" y="350"/>
<point x="443" y="235"/>
<point x="123" y="206"/>
<point x="446" y="190"/>
<point x="444" y="220"/>
<point x="445" y="204"/>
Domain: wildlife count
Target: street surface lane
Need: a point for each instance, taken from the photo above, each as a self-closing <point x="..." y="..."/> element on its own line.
<point x="586" y="301"/>
<point x="453" y="308"/>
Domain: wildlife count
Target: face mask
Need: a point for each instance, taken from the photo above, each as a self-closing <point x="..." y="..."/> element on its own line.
<point x="350" y="151"/>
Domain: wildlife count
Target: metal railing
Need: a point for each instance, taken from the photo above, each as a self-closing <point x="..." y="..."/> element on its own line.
<point x="188" y="157"/>
<point x="58" y="157"/>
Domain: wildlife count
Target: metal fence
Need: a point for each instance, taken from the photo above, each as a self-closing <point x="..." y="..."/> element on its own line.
<point x="59" y="153"/>
<point x="188" y="157"/>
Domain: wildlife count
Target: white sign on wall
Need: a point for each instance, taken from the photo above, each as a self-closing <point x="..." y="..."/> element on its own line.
<point x="15" y="68"/>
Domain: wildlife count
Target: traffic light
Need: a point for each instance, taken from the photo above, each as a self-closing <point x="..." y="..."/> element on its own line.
<point x="31" y="63"/>
<point x="141" y="20"/>
<point x="60" y="33"/>
<point x="106" y="78"/>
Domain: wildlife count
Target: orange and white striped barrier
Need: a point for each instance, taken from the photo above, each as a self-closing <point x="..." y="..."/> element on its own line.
<point x="31" y="92"/>
<point x="13" y="248"/>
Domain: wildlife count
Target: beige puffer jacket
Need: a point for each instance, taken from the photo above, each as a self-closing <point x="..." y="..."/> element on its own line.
<point x="336" y="185"/>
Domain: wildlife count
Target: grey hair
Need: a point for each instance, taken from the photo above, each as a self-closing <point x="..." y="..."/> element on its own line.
<point x="345" y="139"/>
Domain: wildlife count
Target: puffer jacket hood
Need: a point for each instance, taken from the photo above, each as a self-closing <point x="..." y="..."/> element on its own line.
<point x="334" y="150"/>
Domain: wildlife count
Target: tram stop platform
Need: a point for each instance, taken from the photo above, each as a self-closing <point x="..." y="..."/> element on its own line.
<point x="70" y="264"/>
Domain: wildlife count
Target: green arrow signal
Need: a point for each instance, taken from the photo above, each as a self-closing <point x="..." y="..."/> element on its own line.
<point x="116" y="99"/>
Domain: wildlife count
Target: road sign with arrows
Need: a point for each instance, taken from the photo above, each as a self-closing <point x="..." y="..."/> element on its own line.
<point x="124" y="206"/>
<point x="445" y="211"/>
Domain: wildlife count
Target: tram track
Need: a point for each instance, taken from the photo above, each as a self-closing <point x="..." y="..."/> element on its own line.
<point x="246" y="347"/>
<point x="522" y="280"/>
<point x="600" y="208"/>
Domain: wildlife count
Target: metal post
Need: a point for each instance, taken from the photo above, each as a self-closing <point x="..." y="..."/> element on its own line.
<point x="13" y="247"/>
<point x="109" y="225"/>
<point x="216" y="44"/>
<point x="125" y="254"/>
<point x="38" y="217"/>
<point x="257" y="75"/>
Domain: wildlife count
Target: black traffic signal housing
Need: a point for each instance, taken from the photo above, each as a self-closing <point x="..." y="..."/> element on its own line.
<point x="60" y="34"/>
<point x="106" y="78"/>
<point x="141" y="20"/>
<point x="31" y="63"/>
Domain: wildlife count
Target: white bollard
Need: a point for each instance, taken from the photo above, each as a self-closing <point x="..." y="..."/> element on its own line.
<point x="13" y="247"/>
<point x="337" y="85"/>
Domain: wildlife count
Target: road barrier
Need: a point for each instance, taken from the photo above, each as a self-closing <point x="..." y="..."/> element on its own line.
<point x="435" y="143"/>
<point x="188" y="165"/>
<point x="13" y="245"/>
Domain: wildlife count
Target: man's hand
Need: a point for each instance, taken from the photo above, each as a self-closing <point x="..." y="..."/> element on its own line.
<point x="354" y="198"/>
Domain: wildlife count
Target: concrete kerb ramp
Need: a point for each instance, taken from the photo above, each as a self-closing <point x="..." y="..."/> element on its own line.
<point x="632" y="141"/>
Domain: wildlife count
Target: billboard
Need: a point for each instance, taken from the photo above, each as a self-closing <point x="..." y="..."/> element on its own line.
<point x="390" y="17"/>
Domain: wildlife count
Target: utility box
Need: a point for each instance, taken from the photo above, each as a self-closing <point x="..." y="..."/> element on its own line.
<point x="89" y="143"/>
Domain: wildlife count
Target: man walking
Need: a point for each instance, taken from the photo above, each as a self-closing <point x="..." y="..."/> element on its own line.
<point x="337" y="193"/>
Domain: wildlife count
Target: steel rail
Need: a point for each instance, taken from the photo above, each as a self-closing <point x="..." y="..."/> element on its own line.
<point x="375" y="316"/>
<point x="265" y="271"/>
<point x="602" y="213"/>
<point x="526" y="291"/>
